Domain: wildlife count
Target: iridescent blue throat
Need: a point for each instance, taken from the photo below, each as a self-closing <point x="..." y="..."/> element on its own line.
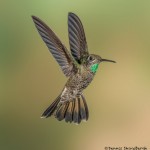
<point x="94" y="68"/>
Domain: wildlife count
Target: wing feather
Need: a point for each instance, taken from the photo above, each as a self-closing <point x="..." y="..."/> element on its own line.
<point x="55" y="46"/>
<point x="77" y="39"/>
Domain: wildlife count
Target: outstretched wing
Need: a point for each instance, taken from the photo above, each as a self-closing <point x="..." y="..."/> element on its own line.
<point x="55" y="46"/>
<point x="77" y="39"/>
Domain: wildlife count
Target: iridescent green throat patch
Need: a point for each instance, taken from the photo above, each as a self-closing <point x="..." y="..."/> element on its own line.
<point x="94" y="68"/>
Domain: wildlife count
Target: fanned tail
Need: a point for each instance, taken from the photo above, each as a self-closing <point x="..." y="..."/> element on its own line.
<point x="73" y="111"/>
<point x="70" y="111"/>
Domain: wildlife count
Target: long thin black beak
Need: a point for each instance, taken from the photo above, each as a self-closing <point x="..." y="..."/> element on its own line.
<point x="108" y="60"/>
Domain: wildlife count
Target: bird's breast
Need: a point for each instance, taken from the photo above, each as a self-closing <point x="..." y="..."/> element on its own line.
<point x="86" y="79"/>
<point x="80" y="80"/>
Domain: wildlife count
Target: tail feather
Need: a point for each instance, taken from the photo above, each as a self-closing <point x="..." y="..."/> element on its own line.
<point x="76" y="113"/>
<point x="71" y="111"/>
<point x="51" y="109"/>
<point x="84" y="109"/>
<point x="60" y="113"/>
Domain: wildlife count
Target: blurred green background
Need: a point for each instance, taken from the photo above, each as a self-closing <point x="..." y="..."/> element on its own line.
<point x="30" y="78"/>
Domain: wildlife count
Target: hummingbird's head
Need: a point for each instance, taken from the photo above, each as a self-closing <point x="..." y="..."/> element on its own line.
<point x="93" y="62"/>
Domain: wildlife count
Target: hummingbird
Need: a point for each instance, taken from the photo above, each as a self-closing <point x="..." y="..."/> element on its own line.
<point x="78" y="66"/>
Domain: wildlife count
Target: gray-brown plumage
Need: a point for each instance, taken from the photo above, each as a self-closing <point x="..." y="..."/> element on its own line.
<point x="79" y="66"/>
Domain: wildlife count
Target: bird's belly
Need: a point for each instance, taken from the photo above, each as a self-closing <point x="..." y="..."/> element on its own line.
<point x="75" y="85"/>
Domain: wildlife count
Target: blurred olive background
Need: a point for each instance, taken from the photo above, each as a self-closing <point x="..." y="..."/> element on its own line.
<point x="30" y="78"/>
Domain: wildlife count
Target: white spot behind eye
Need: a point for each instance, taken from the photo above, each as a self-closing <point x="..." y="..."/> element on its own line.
<point x="90" y="58"/>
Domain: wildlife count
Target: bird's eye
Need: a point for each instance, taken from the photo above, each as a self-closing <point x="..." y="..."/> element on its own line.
<point x="90" y="58"/>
